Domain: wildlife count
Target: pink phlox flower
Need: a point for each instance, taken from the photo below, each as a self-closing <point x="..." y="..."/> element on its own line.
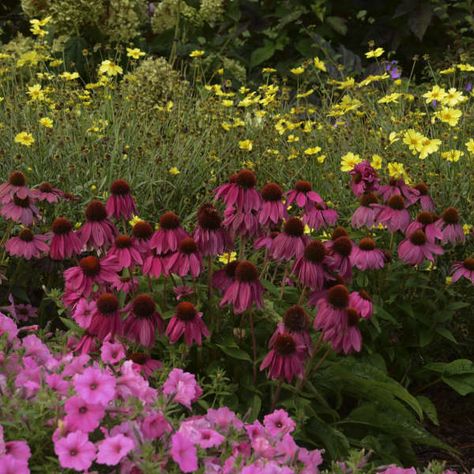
<point x="113" y="449"/>
<point x="183" y="387"/>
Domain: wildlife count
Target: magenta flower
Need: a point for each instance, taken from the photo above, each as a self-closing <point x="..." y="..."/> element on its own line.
<point x="105" y="319"/>
<point x="15" y="186"/>
<point x="65" y="243"/>
<point x="211" y="237"/>
<point x="183" y="387"/>
<point x="186" y="260"/>
<point x="184" y="453"/>
<point x="265" y="241"/>
<point x="27" y="245"/>
<point x="392" y="469"/>
<point x="46" y="192"/>
<point x="154" y="426"/>
<point x="142" y="233"/>
<point x="144" y="363"/>
<point x="240" y="192"/>
<point x="83" y="416"/>
<point x="463" y="269"/>
<point x="364" y="178"/>
<point x="452" y="229"/>
<point x="222" y="279"/>
<point x="11" y="465"/>
<point x="341" y="248"/>
<point x="210" y="438"/>
<point x="394" y="215"/>
<point x="75" y="451"/>
<point x="95" y="386"/>
<point x="362" y="302"/>
<point x="120" y="203"/>
<point x="366" y="256"/>
<point x="246" y="290"/>
<point x="8" y="327"/>
<point x="345" y="337"/>
<point x="167" y="238"/>
<point x="20" y="210"/>
<point x="278" y="423"/>
<point x="187" y="321"/>
<point x="244" y="224"/>
<point x="98" y="231"/>
<point x="113" y="449"/>
<point x="182" y="291"/>
<point x="273" y="211"/>
<point x="416" y="248"/>
<point x="154" y="265"/>
<point x="291" y="242"/>
<point x="143" y="321"/>
<point x="296" y="323"/>
<point x="303" y="195"/>
<point x="285" y="359"/>
<point x="83" y="312"/>
<point x="365" y="214"/>
<point x="397" y="187"/>
<point x="112" y="352"/>
<point x="320" y="217"/>
<point x="424" y="198"/>
<point x="332" y="309"/>
<point x="126" y="252"/>
<point x="429" y="224"/>
<point x="311" y="267"/>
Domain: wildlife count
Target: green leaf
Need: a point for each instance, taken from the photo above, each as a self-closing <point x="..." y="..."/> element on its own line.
<point x="458" y="374"/>
<point x="235" y="352"/>
<point x="69" y="323"/>
<point x="429" y="409"/>
<point x="262" y="54"/>
<point x="338" y="24"/>
<point x="255" y="408"/>
<point x="447" y="334"/>
<point x="420" y="20"/>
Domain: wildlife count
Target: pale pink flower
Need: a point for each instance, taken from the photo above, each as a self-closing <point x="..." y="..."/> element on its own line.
<point x="183" y="386"/>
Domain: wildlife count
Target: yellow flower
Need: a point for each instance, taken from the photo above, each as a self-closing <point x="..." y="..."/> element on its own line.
<point x="349" y="160"/>
<point x="449" y="116"/>
<point x="453" y="97"/>
<point x="69" y="76"/>
<point x="197" y="53"/>
<point x="109" y="68"/>
<point x="435" y="94"/>
<point x="470" y="146"/>
<point x="449" y="280"/>
<point x="302" y="95"/>
<point x="452" y="155"/>
<point x="413" y="139"/>
<point x="376" y="162"/>
<point x="46" y="122"/>
<point x="312" y="151"/>
<point x="268" y="70"/>
<point x="318" y="64"/>
<point x="134" y="220"/>
<point x="36" y="92"/>
<point x="428" y="147"/>
<point x="24" y="138"/>
<point x="321" y="159"/>
<point x="174" y="171"/>
<point x="227" y="257"/>
<point x="292" y="138"/>
<point x="297" y="70"/>
<point x="467" y="228"/>
<point x="374" y="53"/>
<point x="396" y="170"/>
<point x="227" y="103"/>
<point x="246" y="145"/>
<point x="135" y="53"/>
<point x="391" y="98"/>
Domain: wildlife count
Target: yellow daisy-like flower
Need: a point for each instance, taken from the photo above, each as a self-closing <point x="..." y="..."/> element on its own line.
<point x="349" y="160"/>
<point x="197" y="53"/>
<point x="374" y="53"/>
<point x="135" y="53"/>
<point x="413" y="139"/>
<point x="25" y="139"/>
<point x="246" y="145"/>
<point x="109" y="68"/>
<point x="318" y="64"/>
<point x="321" y="158"/>
<point x="174" y="171"/>
<point x="293" y="138"/>
<point x="269" y="70"/>
<point x="227" y="257"/>
<point x="376" y="162"/>
<point x="227" y="103"/>
<point x="46" y="122"/>
<point x="396" y="170"/>
<point x="36" y="92"/>
<point x="297" y="70"/>
<point x="69" y="76"/>
<point x="429" y="147"/>
<point x="435" y="94"/>
<point x="452" y="155"/>
<point x="393" y="137"/>
<point x="470" y="146"/>
<point x="453" y="97"/>
<point x="467" y="228"/>
<point x="449" y="116"/>
<point x="312" y="151"/>
<point x="134" y="220"/>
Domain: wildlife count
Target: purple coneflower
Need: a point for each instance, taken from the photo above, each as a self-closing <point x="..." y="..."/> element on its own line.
<point x="15" y="186"/>
<point x="144" y="363"/>
<point x="414" y="249"/>
<point x="452" y="229"/>
<point x="167" y="238"/>
<point x="126" y="252"/>
<point x="120" y="204"/>
<point x="429" y="224"/>
<point x="154" y="265"/>
<point x="223" y="278"/>
<point x="362" y="302"/>
<point x="285" y="359"/>
<point x="366" y="256"/>
<point x="265" y="241"/>
<point x="106" y="318"/>
<point x="273" y="210"/>
<point x="365" y="214"/>
<point x="463" y="269"/>
<point x="332" y="308"/>
<point x="243" y="224"/>
<point x="340" y="248"/>
<point x="64" y="241"/>
<point x="311" y="267"/>
<point x="425" y="200"/>
<point x="142" y="232"/>
<point x="320" y="217"/>
<point x="98" y="231"/>
<point x="125" y="283"/>
<point x="210" y="236"/>
<point x="364" y="178"/>
<point x="241" y="193"/>
<point x="187" y="321"/>
<point x="245" y="290"/>
<point x="303" y="195"/>
<point x="21" y="210"/>
<point x="27" y="245"/>
<point x="347" y="337"/>
<point x="46" y="192"/>
<point x="398" y="187"/>
<point x="143" y="321"/>
<point x="186" y="260"/>
<point x="291" y="242"/>
<point x="394" y="214"/>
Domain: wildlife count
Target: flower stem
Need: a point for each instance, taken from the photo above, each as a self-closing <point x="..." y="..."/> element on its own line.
<point x="254" y="347"/>
<point x="276" y="395"/>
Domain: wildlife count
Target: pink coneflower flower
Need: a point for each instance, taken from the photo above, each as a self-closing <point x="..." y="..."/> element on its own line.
<point x="80" y="279"/>
<point x="241" y="193"/>
<point x="463" y="269"/>
<point x="320" y="217"/>
<point x="83" y="312"/>
<point x="144" y="363"/>
<point x="347" y="337"/>
<point x="394" y="215"/>
<point x="85" y="345"/>
<point x="64" y="242"/>
<point x="113" y="449"/>
<point x="244" y="224"/>
<point x="362" y="302"/>
<point x="331" y="308"/>
<point x="120" y="203"/>
<point x="183" y="386"/>
<point x="182" y="291"/>
<point x="184" y="453"/>
<point x="222" y="279"/>
<point x="340" y="248"/>
<point x="365" y="214"/>
<point x="82" y="415"/>
<point x="20" y="210"/>
<point x="98" y="231"/>
<point x="126" y="252"/>
<point x="397" y="187"/>
<point x="291" y="242"/>
<point x="125" y="283"/>
<point x="452" y="229"/>
<point x="46" y="192"/>
<point x="246" y="290"/>
<point x="75" y="451"/>
<point x="27" y="245"/>
<point x="95" y="385"/>
<point x="366" y="256"/>
<point x="154" y="265"/>
<point x="265" y="241"/>
<point x="311" y="267"/>
<point x="143" y="321"/>
<point x="187" y="321"/>
<point x="167" y="238"/>
<point x="186" y="261"/>
<point x="15" y="186"/>
<point x="106" y="318"/>
<point x="416" y="248"/>
<point x="142" y="233"/>
<point x="211" y="237"/>
<point x="364" y="178"/>
<point x="429" y="224"/>
<point x="425" y="200"/>
<point x="303" y="195"/>
<point x="285" y="359"/>
<point x="273" y="210"/>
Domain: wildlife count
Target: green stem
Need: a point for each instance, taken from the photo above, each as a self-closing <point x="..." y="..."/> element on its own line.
<point x="254" y="347"/>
